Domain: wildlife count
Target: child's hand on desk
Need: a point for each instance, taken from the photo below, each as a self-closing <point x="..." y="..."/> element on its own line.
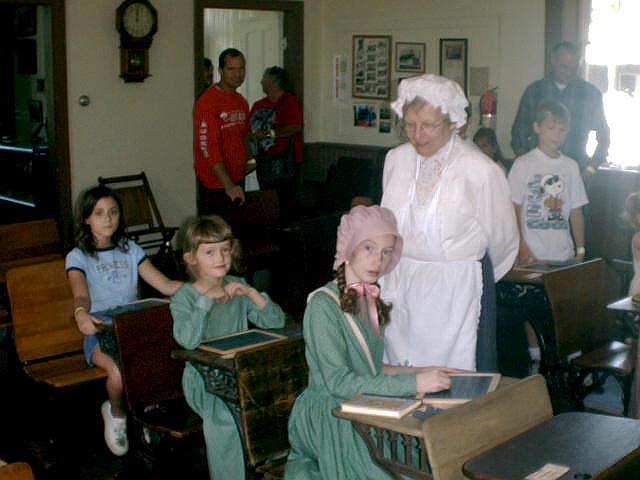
<point x="87" y="323"/>
<point x="433" y="379"/>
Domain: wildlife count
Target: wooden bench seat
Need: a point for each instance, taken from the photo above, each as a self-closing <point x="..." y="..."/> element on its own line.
<point x="48" y="343"/>
<point x="64" y="371"/>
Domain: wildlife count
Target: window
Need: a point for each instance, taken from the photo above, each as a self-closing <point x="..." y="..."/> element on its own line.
<point x="613" y="64"/>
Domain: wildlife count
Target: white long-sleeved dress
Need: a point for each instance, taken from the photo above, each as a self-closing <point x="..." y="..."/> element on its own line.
<point x="437" y="286"/>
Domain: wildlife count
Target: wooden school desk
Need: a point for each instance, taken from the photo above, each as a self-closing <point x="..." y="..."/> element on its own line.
<point x="577" y="338"/>
<point x="259" y="386"/>
<point x="594" y="447"/>
<point x="407" y="454"/>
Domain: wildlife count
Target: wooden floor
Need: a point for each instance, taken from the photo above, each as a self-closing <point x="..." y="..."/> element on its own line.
<point x="62" y="437"/>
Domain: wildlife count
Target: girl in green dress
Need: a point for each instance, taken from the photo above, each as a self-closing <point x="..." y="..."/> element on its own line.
<point x="216" y="304"/>
<point x="343" y="326"/>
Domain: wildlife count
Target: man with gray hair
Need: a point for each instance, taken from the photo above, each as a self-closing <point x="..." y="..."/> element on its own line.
<point x="582" y="99"/>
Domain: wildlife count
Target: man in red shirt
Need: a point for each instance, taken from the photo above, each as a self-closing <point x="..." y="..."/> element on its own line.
<point x="221" y="124"/>
<point x="276" y="124"/>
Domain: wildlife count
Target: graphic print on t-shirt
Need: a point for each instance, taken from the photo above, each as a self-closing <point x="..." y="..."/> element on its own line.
<point x="544" y="202"/>
<point x="263" y="119"/>
<point x="113" y="272"/>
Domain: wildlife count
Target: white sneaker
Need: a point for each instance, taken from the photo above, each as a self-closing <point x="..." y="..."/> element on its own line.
<point x="115" y="431"/>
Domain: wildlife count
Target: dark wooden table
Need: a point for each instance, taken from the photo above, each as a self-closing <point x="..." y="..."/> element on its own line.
<point x="592" y="446"/>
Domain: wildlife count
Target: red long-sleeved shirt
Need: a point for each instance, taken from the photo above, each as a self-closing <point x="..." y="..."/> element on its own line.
<point x="221" y="124"/>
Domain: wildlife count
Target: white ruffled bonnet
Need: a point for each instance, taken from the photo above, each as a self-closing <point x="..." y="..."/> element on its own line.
<point x="436" y="91"/>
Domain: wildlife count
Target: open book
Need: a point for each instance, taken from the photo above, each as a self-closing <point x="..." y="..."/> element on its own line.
<point x="108" y="315"/>
<point x="228" y="345"/>
<point x="380" y="405"/>
<point x="464" y="387"/>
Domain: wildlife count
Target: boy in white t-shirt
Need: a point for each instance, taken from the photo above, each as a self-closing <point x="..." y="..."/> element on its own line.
<point x="548" y="193"/>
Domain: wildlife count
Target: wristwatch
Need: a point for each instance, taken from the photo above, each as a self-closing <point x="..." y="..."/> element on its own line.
<point x="580" y="251"/>
<point x="272" y="133"/>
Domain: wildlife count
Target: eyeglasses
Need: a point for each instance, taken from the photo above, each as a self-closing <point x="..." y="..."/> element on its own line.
<point x="412" y="128"/>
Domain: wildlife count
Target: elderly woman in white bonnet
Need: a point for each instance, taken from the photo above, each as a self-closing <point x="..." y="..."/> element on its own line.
<point x="453" y="206"/>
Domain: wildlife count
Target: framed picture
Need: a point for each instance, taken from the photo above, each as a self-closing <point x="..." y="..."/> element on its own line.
<point x="410" y="57"/>
<point x="453" y="60"/>
<point x="371" y="66"/>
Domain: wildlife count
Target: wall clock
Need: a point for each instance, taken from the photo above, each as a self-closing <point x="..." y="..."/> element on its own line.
<point x="137" y="22"/>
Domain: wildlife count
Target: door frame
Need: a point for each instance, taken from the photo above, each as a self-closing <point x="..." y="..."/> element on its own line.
<point x="59" y="148"/>
<point x="292" y="29"/>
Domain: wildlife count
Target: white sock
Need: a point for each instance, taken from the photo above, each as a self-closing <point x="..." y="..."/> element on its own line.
<point x="534" y="353"/>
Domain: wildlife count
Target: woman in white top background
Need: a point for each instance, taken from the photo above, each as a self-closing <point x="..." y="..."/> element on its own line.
<point x="453" y="206"/>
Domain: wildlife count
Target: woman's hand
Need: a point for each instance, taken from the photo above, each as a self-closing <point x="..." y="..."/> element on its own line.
<point x="433" y="379"/>
<point x="87" y="323"/>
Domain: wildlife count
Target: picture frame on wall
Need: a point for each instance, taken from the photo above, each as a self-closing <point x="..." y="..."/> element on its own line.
<point x="453" y="60"/>
<point x="410" y="57"/>
<point x="371" y="67"/>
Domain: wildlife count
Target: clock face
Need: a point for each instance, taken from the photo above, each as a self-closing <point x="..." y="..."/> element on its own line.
<point x="138" y="20"/>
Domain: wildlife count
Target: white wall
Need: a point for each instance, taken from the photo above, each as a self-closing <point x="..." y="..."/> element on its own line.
<point x="147" y="126"/>
<point x="134" y="126"/>
<point x="505" y="35"/>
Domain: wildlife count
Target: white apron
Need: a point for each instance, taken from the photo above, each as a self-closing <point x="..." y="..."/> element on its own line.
<point x="436" y="303"/>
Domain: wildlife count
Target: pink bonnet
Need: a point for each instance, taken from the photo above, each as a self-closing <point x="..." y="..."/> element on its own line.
<point x="362" y="223"/>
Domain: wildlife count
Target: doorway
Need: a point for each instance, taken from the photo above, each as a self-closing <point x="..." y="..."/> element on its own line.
<point x="34" y="139"/>
<point x="256" y="33"/>
<point x="262" y="20"/>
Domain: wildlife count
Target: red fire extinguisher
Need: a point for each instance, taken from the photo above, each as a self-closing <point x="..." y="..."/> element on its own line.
<point x="488" y="108"/>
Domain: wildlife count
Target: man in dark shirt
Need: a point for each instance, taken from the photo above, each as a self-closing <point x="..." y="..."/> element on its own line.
<point x="583" y="100"/>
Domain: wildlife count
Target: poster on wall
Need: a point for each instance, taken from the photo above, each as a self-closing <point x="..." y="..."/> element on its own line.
<point x="453" y="60"/>
<point x="364" y="115"/>
<point x="371" y="66"/>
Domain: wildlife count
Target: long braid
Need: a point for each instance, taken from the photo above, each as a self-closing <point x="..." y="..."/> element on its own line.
<point x="349" y="300"/>
<point x="348" y="297"/>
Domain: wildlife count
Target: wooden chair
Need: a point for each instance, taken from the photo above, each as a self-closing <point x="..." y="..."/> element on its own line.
<point x="47" y="340"/>
<point x="152" y="379"/>
<point x="460" y="433"/>
<point x="16" y="471"/>
<point x="584" y="334"/>
<point x="142" y="216"/>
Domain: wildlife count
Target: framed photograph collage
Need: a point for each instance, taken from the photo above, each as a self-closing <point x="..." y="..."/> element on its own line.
<point x="372" y="66"/>
<point x="372" y="72"/>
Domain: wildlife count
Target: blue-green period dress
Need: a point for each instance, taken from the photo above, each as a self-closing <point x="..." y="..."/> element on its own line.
<point x="197" y="318"/>
<point x="323" y="446"/>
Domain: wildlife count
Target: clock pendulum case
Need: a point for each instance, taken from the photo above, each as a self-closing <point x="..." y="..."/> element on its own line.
<point x="137" y="22"/>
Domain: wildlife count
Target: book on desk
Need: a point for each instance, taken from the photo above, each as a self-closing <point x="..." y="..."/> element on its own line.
<point x="228" y="345"/>
<point x="380" y="405"/>
<point x="464" y="388"/>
